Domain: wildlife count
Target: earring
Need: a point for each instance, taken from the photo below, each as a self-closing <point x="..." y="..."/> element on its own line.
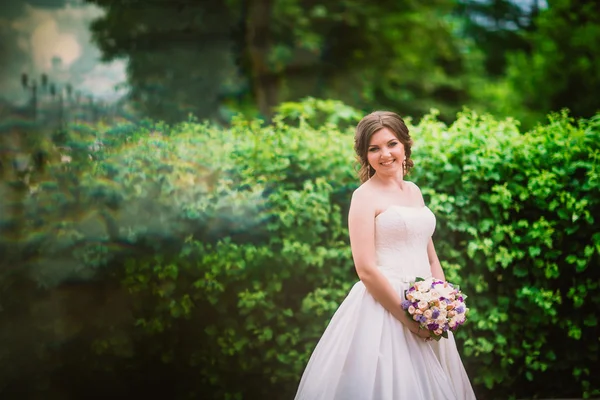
<point x="404" y="167"/>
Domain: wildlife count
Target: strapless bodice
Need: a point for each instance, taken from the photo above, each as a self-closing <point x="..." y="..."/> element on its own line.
<point x="401" y="237"/>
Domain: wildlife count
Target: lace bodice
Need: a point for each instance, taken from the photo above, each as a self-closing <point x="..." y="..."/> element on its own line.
<point x="401" y="237"/>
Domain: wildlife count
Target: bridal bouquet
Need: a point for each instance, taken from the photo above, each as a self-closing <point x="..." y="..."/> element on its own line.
<point x="436" y="305"/>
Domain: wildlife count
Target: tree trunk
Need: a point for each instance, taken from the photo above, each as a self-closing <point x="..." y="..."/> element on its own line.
<point x="265" y="82"/>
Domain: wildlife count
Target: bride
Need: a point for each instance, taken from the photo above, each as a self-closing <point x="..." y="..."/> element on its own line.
<point x="371" y="350"/>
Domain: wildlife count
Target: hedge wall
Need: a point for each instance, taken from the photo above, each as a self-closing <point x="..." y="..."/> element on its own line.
<point x="195" y="260"/>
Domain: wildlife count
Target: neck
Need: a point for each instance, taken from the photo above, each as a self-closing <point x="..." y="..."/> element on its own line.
<point x="389" y="181"/>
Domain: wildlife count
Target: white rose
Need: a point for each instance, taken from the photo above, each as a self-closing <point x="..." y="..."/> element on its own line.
<point x="444" y="290"/>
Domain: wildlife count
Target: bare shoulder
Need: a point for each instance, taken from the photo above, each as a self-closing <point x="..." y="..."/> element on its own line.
<point x="362" y="198"/>
<point x="361" y="193"/>
<point x="413" y="186"/>
<point x="416" y="191"/>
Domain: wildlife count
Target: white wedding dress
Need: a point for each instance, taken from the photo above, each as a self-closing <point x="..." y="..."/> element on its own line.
<point x="365" y="353"/>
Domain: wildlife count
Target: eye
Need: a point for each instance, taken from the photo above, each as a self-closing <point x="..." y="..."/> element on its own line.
<point x="393" y="144"/>
<point x="373" y="149"/>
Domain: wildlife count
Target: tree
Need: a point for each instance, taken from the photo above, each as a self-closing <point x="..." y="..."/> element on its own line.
<point x="538" y="58"/>
<point x="399" y="55"/>
<point x="563" y="68"/>
<point x="179" y="53"/>
<point x="496" y="27"/>
<point x="394" y="54"/>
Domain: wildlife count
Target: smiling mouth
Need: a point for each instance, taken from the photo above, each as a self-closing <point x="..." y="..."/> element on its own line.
<point x="387" y="163"/>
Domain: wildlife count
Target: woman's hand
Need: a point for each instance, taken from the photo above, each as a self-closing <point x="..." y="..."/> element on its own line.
<point x="422" y="333"/>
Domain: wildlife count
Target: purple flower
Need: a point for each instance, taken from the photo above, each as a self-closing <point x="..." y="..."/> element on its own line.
<point x="432" y="327"/>
<point x="460" y="309"/>
<point x="422" y="318"/>
<point x="406" y="304"/>
<point x="435" y="314"/>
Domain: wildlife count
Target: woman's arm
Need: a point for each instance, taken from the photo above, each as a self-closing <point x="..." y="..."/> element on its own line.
<point x="434" y="262"/>
<point x="361" y="225"/>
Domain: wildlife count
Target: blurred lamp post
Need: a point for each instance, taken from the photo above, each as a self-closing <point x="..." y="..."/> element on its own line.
<point x="53" y="94"/>
<point x="33" y="86"/>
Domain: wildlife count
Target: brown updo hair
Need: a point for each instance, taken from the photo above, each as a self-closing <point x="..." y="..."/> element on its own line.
<point x="371" y="124"/>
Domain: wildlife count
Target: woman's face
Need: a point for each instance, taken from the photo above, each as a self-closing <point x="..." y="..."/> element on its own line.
<point x="385" y="153"/>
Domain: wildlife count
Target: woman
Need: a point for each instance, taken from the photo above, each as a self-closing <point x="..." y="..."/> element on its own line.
<point x="371" y="350"/>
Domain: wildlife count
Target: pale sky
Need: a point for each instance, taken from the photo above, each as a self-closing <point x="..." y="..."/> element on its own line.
<point x="36" y="32"/>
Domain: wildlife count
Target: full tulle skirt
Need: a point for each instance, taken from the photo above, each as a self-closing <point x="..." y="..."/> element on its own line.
<point x="366" y="354"/>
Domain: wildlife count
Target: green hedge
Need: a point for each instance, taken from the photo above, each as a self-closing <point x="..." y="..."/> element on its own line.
<point x="518" y="222"/>
<point x="213" y="258"/>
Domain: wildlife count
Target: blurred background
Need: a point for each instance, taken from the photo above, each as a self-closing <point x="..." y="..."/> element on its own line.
<point x="167" y="59"/>
<point x="170" y="224"/>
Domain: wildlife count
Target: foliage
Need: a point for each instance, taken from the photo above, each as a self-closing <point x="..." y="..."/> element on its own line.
<point x="518" y="230"/>
<point x="497" y="27"/>
<point x="179" y="54"/>
<point x="209" y="59"/>
<point x="189" y="219"/>
<point x="538" y="58"/>
<point x="318" y="112"/>
<point x="562" y="68"/>
<point x="211" y="259"/>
